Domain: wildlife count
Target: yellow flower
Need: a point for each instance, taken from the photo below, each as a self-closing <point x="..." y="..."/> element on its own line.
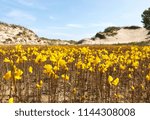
<point x="55" y="68"/>
<point x="48" y="69"/>
<point x="84" y="50"/>
<point x="131" y="69"/>
<point x="7" y="76"/>
<point x="79" y="64"/>
<point x="30" y="69"/>
<point x="24" y="58"/>
<point x="105" y="57"/>
<point x="142" y="86"/>
<point x="135" y="64"/>
<point x="148" y="77"/>
<point x="97" y="60"/>
<point x="114" y="69"/>
<point x="40" y="58"/>
<point x="39" y="86"/>
<point x="41" y="82"/>
<point x="70" y="60"/>
<point x="18" y="47"/>
<point x="62" y="63"/>
<point x="91" y="69"/>
<point x="132" y="87"/>
<point x="118" y="96"/>
<point x="122" y="67"/>
<point x="56" y="76"/>
<point x="65" y="77"/>
<point x="83" y="66"/>
<point x="110" y="79"/>
<point x="74" y="90"/>
<point x="129" y="75"/>
<point x="115" y="82"/>
<point x="18" y="73"/>
<point x="11" y="100"/>
<point x="129" y="61"/>
<point x="18" y="60"/>
<point x="6" y="60"/>
<point x="53" y="59"/>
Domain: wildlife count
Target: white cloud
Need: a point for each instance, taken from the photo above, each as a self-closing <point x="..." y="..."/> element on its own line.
<point x="74" y="25"/>
<point x="17" y="14"/>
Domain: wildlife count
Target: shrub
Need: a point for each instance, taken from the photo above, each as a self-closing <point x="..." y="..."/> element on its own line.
<point x="111" y="29"/>
<point x="132" y="27"/>
<point x="100" y="35"/>
<point x="146" y="18"/>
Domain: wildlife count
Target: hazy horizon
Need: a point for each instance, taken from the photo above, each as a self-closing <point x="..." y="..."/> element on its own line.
<point x="72" y="19"/>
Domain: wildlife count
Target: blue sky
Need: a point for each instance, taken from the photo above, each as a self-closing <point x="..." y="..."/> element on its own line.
<point x="72" y="19"/>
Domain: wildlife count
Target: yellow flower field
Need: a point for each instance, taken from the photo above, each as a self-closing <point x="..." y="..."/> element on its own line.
<point x="74" y="74"/>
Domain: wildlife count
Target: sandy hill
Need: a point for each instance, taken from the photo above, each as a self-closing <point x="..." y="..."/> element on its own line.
<point x="119" y="35"/>
<point x="14" y="34"/>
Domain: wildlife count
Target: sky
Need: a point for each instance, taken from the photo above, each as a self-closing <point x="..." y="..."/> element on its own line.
<point x="72" y="19"/>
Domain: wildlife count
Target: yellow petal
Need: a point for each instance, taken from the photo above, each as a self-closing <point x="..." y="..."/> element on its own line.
<point x="11" y="100"/>
<point x="110" y="79"/>
<point x="7" y="76"/>
<point x="30" y="69"/>
<point x="115" y="82"/>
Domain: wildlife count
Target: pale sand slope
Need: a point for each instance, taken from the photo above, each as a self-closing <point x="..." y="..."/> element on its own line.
<point x="122" y="36"/>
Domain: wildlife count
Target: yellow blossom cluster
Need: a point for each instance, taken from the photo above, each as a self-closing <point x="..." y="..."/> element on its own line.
<point x="83" y="69"/>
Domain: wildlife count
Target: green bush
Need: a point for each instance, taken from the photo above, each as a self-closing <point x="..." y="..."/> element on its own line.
<point x="132" y="27"/>
<point x="111" y="29"/>
<point x="146" y="18"/>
